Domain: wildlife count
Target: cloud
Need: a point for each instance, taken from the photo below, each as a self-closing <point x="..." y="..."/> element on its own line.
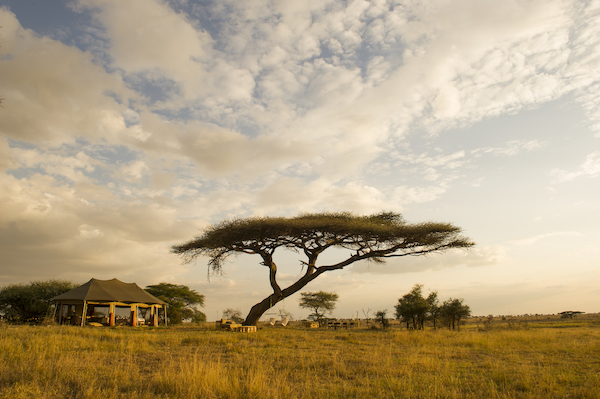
<point x="474" y="257"/>
<point x="148" y="37"/>
<point x="59" y="84"/>
<point x="292" y="194"/>
<point x="6" y="158"/>
<point x="269" y="79"/>
<point x="589" y="168"/>
<point x="47" y="227"/>
<point x="533" y="239"/>
<point x="511" y="148"/>
<point x="416" y="195"/>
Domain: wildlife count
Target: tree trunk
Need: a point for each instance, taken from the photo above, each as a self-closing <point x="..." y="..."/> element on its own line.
<point x="260" y="308"/>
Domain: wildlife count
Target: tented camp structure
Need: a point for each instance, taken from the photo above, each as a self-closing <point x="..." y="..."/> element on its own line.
<point x="109" y="302"/>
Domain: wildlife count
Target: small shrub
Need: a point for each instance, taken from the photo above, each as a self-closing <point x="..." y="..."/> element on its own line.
<point x="515" y="324"/>
<point x="487" y="323"/>
<point x="381" y="318"/>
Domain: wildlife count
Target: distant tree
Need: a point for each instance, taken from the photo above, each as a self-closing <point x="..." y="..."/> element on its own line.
<point x="434" y="308"/>
<point x="366" y="314"/>
<point x="487" y="323"/>
<point x="376" y="237"/>
<point x="31" y="302"/>
<point x="413" y="308"/>
<point x="320" y="303"/>
<point x="570" y="313"/>
<point x="453" y="311"/>
<point x="381" y="318"/>
<point x="233" y="315"/>
<point x="181" y="300"/>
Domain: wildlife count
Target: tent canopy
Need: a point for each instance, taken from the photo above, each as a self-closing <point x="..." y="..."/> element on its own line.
<point x="109" y="291"/>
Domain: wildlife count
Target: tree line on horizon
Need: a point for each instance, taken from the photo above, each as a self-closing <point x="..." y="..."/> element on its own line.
<point x="412" y="308"/>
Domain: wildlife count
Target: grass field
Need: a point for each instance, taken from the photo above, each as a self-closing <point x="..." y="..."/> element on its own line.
<point x="525" y="358"/>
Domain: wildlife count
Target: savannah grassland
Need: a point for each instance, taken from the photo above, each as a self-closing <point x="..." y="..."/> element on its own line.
<point x="536" y="358"/>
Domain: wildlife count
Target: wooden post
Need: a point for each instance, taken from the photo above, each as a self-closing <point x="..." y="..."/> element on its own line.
<point x="133" y="316"/>
<point x="154" y="316"/>
<point x="111" y="314"/>
<point x="60" y="314"/>
<point x="83" y="314"/>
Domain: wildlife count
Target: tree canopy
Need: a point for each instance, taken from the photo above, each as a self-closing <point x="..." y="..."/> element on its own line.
<point x="374" y="237"/>
<point x="414" y="308"/>
<point x="182" y="302"/>
<point x="30" y="302"/>
<point x="234" y="315"/>
<point x="452" y="311"/>
<point x="570" y="313"/>
<point x="381" y="318"/>
<point x="320" y="303"/>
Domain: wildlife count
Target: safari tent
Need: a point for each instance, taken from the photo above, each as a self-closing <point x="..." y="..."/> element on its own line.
<point x="109" y="303"/>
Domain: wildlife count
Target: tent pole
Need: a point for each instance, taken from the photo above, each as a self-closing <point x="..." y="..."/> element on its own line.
<point x="165" y="314"/>
<point x="133" y="315"/>
<point x="83" y="313"/>
<point x="54" y="313"/>
<point x="111" y="314"/>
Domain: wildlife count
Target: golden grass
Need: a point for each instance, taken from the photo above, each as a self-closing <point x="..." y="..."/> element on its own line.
<point x="542" y="361"/>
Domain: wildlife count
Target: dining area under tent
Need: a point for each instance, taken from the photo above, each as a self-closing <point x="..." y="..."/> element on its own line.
<point x="109" y="303"/>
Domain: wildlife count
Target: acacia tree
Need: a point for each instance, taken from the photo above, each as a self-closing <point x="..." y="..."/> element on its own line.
<point x="320" y="303"/>
<point x="375" y="237"/>
<point x="570" y="313"/>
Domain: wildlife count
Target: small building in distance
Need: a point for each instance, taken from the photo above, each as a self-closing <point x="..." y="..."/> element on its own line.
<point x="109" y="303"/>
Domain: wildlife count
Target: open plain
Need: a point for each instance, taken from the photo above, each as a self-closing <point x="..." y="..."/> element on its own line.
<point x="533" y="357"/>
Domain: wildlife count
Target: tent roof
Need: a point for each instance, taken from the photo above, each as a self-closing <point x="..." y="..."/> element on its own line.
<point x="109" y="291"/>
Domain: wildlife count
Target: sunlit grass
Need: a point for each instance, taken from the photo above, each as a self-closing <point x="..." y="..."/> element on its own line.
<point x="193" y="362"/>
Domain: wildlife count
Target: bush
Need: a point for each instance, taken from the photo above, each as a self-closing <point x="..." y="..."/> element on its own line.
<point x="382" y="319"/>
<point x="30" y="303"/>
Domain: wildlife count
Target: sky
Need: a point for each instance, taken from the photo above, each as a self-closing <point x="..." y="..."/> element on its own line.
<point x="128" y="127"/>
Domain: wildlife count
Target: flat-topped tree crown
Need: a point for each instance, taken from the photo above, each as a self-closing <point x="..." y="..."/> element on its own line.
<point x="374" y="237"/>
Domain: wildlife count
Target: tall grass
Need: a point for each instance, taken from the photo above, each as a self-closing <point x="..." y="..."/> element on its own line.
<point x="194" y="362"/>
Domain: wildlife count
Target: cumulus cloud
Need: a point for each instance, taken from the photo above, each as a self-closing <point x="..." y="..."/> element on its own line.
<point x="54" y="92"/>
<point x="49" y="227"/>
<point x="148" y="37"/>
